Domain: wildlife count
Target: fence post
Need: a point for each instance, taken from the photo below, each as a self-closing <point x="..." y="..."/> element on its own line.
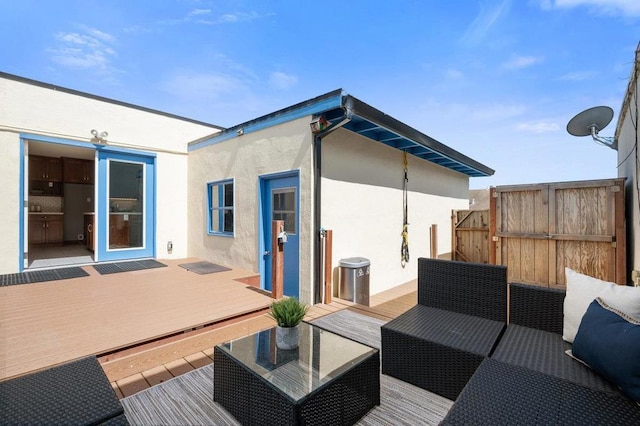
<point x="434" y="240"/>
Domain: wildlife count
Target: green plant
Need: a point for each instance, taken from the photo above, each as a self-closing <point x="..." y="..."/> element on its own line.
<point x="288" y="312"/>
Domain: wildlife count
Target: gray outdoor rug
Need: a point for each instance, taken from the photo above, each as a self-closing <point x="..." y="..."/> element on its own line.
<point x="203" y="267"/>
<point x="128" y="266"/>
<point x="31" y="277"/>
<point x="188" y="399"/>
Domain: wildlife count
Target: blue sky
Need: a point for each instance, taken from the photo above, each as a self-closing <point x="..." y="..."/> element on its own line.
<point x="497" y="80"/>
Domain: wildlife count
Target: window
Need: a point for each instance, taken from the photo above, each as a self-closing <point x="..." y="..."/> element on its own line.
<point x="284" y="208"/>
<point x="220" y="198"/>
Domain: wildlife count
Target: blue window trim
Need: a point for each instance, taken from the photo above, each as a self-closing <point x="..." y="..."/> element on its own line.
<point x="210" y="208"/>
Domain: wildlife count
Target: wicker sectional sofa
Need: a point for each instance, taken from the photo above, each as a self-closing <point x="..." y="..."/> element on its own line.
<point x="75" y="393"/>
<point x="516" y="374"/>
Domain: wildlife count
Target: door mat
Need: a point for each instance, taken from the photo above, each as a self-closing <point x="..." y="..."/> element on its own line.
<point x="135" y="265"/>
<point x="31" y="277"/>
<point x="203" y="268"/>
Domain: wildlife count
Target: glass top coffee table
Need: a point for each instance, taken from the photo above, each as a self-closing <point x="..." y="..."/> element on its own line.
<point x="327" y="379"/>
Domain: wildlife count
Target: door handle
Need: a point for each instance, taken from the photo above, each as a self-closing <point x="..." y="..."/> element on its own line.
<point x="267" y="253"/>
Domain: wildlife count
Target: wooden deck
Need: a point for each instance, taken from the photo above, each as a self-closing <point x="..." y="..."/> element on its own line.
<point x="138" y="370"/>
<point x="45" y="324"/>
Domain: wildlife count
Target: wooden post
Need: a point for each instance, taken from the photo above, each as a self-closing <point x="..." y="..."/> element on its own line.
<point x="328" y="267"/>
<point x="434" y="241"/>
<point x="492" y="225"/>
<point x="454" y="242"/>
<point x="277" y="260"/>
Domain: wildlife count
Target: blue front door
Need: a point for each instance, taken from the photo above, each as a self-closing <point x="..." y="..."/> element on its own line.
<point x="280" y="200"/>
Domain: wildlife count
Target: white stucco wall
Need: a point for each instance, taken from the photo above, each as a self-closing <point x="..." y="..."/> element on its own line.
<point x="31" y="109"/>
<point x="627" y="135"/>
<point x="276" y="149"/>
<point x="362" y="204"/>
<point x="9" y="194"/>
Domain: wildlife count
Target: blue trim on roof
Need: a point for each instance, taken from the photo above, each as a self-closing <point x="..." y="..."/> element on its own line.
<point x="283" y="116"/>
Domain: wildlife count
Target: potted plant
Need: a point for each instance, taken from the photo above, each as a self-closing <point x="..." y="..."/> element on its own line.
<point x="288" y="313"/>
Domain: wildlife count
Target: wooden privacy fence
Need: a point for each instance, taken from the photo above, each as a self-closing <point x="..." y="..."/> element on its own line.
<point x="538" y="230"/>
<point x="470" y="242"/>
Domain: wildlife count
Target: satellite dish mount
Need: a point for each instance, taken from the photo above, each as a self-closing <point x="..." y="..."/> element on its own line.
<point x="590" y="122"/>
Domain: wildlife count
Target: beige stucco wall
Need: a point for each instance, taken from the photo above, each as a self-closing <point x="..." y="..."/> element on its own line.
<point x="362" y="205"/>
<point x="31" y="109"/>
<point x="276" y="149"/>
<point x="627" y="135"/>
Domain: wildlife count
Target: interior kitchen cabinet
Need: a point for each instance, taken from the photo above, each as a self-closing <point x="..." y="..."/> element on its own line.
<point x="76" y="170"/>
<point x="45" y="176"/>
<point x="45" y="229"/>
<point x="118" y="230"/>
<point x="45" y="168"/>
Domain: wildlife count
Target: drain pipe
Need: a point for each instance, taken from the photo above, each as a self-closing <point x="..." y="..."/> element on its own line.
<point x="317" y="191"/>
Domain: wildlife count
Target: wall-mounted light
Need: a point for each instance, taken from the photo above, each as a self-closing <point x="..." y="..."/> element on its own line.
<point x="240" y="132"/>
<point x="318" y="124"/>
<point x="100" y="137"/>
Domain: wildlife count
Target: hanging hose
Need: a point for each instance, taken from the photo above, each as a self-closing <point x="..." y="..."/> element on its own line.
<point x="404" y="250"/>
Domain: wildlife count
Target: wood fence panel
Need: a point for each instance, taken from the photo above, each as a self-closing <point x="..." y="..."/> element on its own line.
<point x="543" y="228"/>
<point x="471" y="235"/>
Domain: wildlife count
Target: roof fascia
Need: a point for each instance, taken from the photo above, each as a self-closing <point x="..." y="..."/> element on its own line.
<point x="376" y="116"/>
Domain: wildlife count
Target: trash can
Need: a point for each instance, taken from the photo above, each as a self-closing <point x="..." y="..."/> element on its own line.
<point x="354" y="280"/>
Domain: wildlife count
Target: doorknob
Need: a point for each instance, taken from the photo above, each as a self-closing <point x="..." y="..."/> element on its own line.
<point x="267" y="253"/>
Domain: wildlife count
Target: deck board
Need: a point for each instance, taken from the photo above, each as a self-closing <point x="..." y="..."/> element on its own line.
<point x="49" y="323"/>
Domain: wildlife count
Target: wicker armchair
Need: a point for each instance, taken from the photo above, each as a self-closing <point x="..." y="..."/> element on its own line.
<point x="461" y="313"/>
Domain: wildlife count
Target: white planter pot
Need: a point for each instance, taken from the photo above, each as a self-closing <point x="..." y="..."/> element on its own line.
<point x="287" y="337"/>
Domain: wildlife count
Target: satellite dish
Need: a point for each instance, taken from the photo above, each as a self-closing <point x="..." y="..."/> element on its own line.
<point x="590" y="122"/>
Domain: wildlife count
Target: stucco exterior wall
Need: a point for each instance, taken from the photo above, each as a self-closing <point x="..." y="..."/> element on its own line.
<point x="627" y="135"/>
<point x="362" y="204"/>
<point x="41" y="111"/>
<point x="275" y="149"/>
<point x="9" y="194"/>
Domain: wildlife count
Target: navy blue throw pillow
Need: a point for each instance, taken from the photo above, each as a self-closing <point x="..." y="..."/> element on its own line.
<point x="609" y="342"/>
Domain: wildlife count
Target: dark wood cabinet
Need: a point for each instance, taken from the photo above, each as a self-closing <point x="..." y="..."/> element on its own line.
<point x="45" y="168"/>
<point x="76" y="170"/>
<point x="46" y="229"/>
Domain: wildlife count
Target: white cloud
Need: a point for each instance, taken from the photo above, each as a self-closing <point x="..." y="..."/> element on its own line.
<point x="485" y="20"/>
<point x="281" y="80"/>
<point x="538" y="127"/>
<point x="609" y="7"/>
<point x="453" y="74"/>
<point x="88" y="49"/>
<point x="200" y="12"/>
<point x="519" y="62"/>
<point x="577" y="76"/>
<point x="202" y="85"/>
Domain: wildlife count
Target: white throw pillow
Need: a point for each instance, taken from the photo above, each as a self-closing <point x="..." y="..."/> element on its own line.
<point x="583" y="289"/>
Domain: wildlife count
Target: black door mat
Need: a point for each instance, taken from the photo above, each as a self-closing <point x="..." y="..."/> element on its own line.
<point x="204" y="267"/>
<point x="135" y="265"/>
<point x="31" y="277"/>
